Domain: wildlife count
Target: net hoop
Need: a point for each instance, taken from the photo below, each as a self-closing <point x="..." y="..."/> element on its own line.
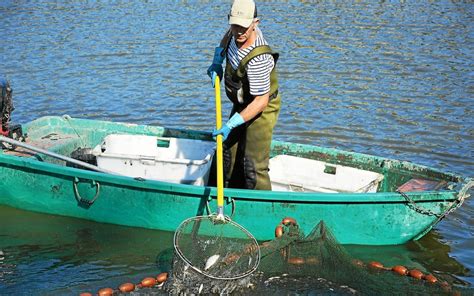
<point x="203" y="272"/>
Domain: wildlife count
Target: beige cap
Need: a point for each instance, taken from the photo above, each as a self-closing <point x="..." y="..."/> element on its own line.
<point x="242" y="13"/>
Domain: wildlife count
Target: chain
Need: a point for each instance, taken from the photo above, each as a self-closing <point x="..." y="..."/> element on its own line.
<point x="456" y="204"/>
<point x="420" y="209"/>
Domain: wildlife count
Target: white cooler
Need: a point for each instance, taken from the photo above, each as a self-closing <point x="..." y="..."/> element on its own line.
<point x="173" y="160"/>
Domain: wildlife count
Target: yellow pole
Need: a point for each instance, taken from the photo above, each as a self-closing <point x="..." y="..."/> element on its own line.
<point x="220" y="166"/>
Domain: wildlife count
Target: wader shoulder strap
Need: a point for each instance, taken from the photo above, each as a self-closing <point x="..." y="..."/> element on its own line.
<point x="259" y="50"/>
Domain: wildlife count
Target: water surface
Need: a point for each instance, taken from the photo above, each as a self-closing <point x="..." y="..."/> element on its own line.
<point x="389" y="78"/>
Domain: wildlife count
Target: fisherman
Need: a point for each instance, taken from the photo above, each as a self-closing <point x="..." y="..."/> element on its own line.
<point x="251" y="84"/>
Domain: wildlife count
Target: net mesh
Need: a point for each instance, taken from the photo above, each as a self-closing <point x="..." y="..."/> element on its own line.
<point x="294" y="263"/>
<point x="217" y="249"/>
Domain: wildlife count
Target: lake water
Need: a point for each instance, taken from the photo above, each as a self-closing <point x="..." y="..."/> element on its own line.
<point x="389" y="78"/>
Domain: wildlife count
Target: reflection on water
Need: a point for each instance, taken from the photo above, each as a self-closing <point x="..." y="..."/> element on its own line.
<point x="74" y="255"/>
<point x="380" y="77"/>
<point x="428" y="254"/>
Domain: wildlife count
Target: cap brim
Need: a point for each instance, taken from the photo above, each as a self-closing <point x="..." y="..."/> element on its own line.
<point x="243" y="22"/>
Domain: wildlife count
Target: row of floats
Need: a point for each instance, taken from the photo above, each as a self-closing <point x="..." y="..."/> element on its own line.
<point x="158" y="281"/>
<point x="148" y="282"/>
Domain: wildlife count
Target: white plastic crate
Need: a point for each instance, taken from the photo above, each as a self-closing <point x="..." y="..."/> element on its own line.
<point x="291" y="173"/>
<point x="173" y="160"/>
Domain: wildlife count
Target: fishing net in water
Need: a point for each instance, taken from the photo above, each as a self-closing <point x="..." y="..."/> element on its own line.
<point x="317" y="263"/>
<point x="292" y="263"/>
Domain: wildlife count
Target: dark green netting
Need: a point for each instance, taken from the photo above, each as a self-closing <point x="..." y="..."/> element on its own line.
<point x="298" y="264"/>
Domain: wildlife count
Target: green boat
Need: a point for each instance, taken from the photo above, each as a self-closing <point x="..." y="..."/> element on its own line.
<point x="399" y="201"/>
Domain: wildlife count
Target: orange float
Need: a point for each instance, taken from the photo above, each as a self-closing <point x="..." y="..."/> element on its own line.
<point x="375" y="264"/>
<point x="279" y="231"/>
<point x="415" y="273"/>
<point x="401" y="270"/>
<point x="85" y="294"/>
<point x="106" y="292"/>
<point x="430" y="278"/>
<point x="148" y="282"/>
<point x="312" y="260"/>
<point x="162" y="277"/>
<point x="445" y="286"/>
<point x="231" y="258"/>
<point x="287" y="221"/>
<point x="250" y="248"/>
<point x="285" y="252"/>
<point x="126" y="287"/>
<point x="358" y="262"/>
<point x="296" y="260"/>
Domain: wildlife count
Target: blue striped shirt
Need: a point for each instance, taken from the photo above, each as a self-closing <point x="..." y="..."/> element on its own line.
<point x="258" y="68"/>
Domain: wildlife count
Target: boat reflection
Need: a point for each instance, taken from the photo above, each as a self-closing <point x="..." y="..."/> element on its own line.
<point x="429" y="254"/>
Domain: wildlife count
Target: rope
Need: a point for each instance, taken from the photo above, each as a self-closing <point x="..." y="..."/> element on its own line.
<point x="462" y="195"/>
<point x="365" y="188"/>
<point x="68" y="120"/>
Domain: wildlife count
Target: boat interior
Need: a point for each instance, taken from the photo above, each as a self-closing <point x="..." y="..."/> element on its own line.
<point x="293" y="167"/>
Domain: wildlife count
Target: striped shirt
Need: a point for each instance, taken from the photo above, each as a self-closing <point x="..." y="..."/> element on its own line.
<point x="258" y="68"/>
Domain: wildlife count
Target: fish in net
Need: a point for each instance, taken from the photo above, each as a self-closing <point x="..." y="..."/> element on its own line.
<point x="217" y="249"/>
<point x="293" y="263"/>
<point x="222" y="260"/>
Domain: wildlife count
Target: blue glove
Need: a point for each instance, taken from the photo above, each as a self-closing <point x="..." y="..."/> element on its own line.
<point x="233" y="122"/>
<point x="216" y="68"/>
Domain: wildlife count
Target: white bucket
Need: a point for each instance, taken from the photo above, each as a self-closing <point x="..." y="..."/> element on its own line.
<point x="173" y="160"/>
<point x="291" y="173"/>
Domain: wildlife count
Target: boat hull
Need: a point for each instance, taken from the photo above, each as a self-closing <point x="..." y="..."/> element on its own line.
<point x="382" y="218"/>
<point x="163" y="206"/>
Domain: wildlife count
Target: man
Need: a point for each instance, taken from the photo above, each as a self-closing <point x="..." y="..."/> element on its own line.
<point x="251" y="84"/>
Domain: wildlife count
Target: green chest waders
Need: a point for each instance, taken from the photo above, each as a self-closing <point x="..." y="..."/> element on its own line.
<point x="247" y="149"/>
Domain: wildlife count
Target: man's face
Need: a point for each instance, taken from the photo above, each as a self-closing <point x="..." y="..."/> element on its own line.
<point x="242" y="34"/>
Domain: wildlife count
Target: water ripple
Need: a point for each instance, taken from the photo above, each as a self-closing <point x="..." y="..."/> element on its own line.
<point x="389" y="78"/>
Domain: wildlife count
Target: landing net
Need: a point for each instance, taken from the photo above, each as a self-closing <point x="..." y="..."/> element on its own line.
<point x="217" y="249"/>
